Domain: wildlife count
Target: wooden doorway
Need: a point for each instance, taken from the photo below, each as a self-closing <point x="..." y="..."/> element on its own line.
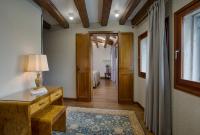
<point x="125" y="67"/>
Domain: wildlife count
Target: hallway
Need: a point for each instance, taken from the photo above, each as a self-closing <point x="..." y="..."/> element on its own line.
<point x="105" y="92"/>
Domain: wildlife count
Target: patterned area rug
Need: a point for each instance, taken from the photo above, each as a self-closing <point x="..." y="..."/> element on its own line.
<point x="92" y="121"/>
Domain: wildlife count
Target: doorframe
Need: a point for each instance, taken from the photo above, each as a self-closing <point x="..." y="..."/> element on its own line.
<point x="112" y="33"/>
<point x="90" y="45"/>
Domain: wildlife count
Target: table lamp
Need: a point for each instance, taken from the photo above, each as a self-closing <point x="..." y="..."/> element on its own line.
<point x="37" y="63"/>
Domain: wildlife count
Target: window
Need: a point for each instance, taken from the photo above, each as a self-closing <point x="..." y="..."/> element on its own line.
<point x="142" y="55"/>
<point x="187" y="48"/>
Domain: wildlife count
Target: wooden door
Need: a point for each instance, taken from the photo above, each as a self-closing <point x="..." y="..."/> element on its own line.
<point x="83" y="67"/>
<point x="125" y="83"/>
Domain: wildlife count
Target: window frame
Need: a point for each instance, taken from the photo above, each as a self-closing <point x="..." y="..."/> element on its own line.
<point x="140" y="38"/>
<point x="179" y="83"/>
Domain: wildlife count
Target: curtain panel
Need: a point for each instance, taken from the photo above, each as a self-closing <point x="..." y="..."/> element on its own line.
<point x="158" y="95"/>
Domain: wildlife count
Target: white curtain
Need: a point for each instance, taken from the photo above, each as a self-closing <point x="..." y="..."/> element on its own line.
<point x="158" y="96"/>
<point x="114" y="63"/>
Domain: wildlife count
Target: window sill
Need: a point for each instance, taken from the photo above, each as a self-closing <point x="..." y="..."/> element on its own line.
<point x="191" y="89"/>
<point x="142" y="75"/>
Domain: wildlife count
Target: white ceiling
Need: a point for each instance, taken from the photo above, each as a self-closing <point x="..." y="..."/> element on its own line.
<point x="117" y="5"/>
<point x="94" y="9"/>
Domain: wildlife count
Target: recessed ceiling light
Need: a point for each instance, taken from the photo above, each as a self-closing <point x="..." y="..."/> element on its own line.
<point x="71" y="18"/>
<point x="116" y="15"/>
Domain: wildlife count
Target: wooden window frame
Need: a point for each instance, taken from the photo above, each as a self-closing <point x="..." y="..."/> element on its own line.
<point x="179" y="83"/>
<point x="140" y="38"/>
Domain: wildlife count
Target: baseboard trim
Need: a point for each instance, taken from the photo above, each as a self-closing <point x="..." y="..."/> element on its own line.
<point x="128" y="102"/>
<point x="71" y="99"/>
<point x="139" y="105"/>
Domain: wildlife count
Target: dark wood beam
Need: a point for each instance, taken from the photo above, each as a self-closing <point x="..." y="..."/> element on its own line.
<point x="96" y="42"/>
<point x="131" y="5"/>
<point x="105" y="12"/>
<point x="81" y="7"/>
<point x="142" y="14"/>
<point x="102" y="32"/>
<point x="53" y="11"/>
<point x="106" y="41"/>
<point x="109" y="42"/>
<point x="46" y="25"/>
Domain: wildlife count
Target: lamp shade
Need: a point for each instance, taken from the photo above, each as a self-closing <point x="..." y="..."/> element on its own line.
<point x="37" y="63"/>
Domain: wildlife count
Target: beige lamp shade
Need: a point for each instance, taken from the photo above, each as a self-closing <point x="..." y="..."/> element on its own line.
<point x="37" y="63"/>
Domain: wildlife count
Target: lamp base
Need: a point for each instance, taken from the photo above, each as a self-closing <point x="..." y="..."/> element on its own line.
<point x="38" y="81"/>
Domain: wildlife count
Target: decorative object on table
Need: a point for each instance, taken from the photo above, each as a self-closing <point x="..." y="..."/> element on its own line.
<point x="37" y="63"/>
<point x="39" y="91"/>
<point x="90" y="121"/>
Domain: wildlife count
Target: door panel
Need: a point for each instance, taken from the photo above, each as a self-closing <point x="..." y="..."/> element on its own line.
<point x="83" y="68"/>
<point x="125" y="88"/>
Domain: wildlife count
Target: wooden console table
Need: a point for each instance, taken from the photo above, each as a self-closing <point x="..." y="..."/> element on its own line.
<point x="16" y="110"/>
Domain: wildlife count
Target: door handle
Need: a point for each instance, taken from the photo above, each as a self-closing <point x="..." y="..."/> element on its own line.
<point x="176" y="54"/>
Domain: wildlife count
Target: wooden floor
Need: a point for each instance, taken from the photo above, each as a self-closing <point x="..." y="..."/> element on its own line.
<point x="105" y="96"/>
<point x="106" y="91"/>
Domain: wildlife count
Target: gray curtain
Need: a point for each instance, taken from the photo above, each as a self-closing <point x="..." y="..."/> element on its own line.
<point x="158" y="96"/>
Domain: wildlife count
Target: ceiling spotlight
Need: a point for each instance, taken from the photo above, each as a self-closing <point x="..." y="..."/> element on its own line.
<point x="116" y="15"/>
<point x="116" y="12"/>
<point x="71" y="18"/>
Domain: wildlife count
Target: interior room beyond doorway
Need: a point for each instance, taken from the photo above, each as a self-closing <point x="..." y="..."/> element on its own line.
<point x="104" y="68"/>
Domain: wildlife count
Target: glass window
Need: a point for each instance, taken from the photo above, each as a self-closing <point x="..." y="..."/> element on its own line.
<point x="142" y="54"/>
<point x="187" y="48"/>
<point x="191" y="47"/>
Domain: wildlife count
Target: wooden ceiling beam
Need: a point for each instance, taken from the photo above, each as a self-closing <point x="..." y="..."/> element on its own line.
<point x="106" y="41"/>
<point x="96" y="42"/>
<point x="131" y="5"/>
<point x="105" y="12"/>
<point x="46" y="25"/>
<point x="142" y="14"/>
<point x="81" y="7"/>
<point x="53" y="11"/>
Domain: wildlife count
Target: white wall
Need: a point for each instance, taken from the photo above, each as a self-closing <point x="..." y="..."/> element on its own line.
<point x="60" y="50"/>
<point x="140" y="83"/>
<point x="101" y="58"/>
<point x="20" y="34"/>
<point x="186" y="107"/>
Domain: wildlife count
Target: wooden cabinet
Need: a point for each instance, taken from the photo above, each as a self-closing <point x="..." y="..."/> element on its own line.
<point x="17" y="109"/>
<point x="56" y="95"/>
<point x="39" y="105"/>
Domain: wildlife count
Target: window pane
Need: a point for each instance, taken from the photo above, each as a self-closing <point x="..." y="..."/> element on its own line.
<point x="143" y="55"/>
<point x="190" y="54"/>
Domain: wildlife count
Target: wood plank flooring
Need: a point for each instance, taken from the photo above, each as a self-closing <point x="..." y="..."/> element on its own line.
<point x="105" y="96"/>
<point x="105" y="92"/>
